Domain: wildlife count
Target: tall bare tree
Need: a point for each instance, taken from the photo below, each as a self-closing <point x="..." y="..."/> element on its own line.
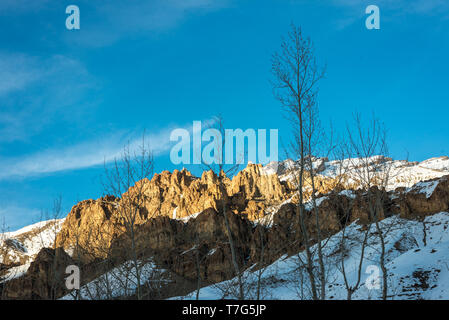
<point x="345" y="204"/>
<point x="3" y="254"/>
<point x="296" y="76"/>
<point x="217" y="165"/>
<point x="125" y="180"/>
<point x="54" y="216"/>
<point x="372" y="170"/>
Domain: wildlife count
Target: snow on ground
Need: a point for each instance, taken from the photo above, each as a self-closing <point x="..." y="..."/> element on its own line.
<point x="28" y="241"/>
<point x="309" y="205"/>
<point x="348" y="193"/>
<point x="23" y="245"/>
<point x="15" y="272"/>
<point x="402" y="173"/>
<point x="417" y="264"/>
<point x="418" y="261"/>
<point x="192" y="216"/>
<point x="120" y="281"/>
<point x="440" y="163"/>
<point x="427" y="187"/>
<point x="267" y="219"/>
<point x="31" y="227"/>
<point x="270" y="168"/>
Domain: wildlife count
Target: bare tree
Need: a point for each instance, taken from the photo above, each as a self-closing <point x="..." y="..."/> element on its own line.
<point x="126" y="180"/>
<point x="217" y="166"/>
<point x="317" y="143"/>
<point x="56" y="274"/>
<point x="198" y="262"/>
<point x="370" y="167"/>
<point x="344" y="204"/>
<point x="112" y="253"/>
<point x="3" y="254"/>
<point x="295" y="86"/>
<point x="261" y="231"/>
<point x="92" y="251"/>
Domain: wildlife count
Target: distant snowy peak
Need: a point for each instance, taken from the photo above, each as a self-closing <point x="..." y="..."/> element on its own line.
<point x="439" y="163"/>
<point x="402" y="173"/>
<point x="21" y="246"/>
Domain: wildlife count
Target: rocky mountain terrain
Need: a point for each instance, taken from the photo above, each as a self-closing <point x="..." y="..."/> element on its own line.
<point x="417" y="260"/>
<point x="180" y="234"/>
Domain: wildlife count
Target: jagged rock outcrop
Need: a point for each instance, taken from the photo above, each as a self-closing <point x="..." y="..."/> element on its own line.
<point x="181" y="221"/>
<point x="173" y="244"/>
<point x="90" y="227"/>
<point x="44" y="278"/>
<point x="93" y="224"/>
<point x="253" y="183"/>
<point x="424" y="198"/>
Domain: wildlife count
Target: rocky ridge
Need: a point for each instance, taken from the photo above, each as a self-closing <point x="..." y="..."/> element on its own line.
<point x="182" y="212"/>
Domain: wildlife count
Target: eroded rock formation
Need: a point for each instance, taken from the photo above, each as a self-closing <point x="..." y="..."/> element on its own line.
<point x="181" y="221"/>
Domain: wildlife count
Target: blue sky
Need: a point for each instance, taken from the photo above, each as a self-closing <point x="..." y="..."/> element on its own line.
<point x="70" y="99"/>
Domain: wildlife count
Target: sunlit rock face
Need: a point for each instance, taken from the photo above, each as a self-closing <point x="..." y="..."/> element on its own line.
<point x="182" y="214"/>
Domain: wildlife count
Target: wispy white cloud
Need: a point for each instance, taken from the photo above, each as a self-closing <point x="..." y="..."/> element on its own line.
<point x="116" y="20"/>
<point x="85" y="154"/>
<point x="78" y="156"/>
<point x="35" y="90"/>
<point x="16" y="72"/>
<point x="105" y="22"/>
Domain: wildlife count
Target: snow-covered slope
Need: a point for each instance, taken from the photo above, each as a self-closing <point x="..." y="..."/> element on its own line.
<point x="417" y="263"/>
<point x="416" y="257"/>
<point x="118" y="282"/>
<point x="402" y="173"/>
<point x="19" y="248"/>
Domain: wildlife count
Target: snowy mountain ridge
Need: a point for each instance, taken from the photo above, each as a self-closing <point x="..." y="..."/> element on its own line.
<point x="402" y="173"/>
<point x="417" y="260"/>
<point x="20" y="247"/>
<point x="417" y="201"/>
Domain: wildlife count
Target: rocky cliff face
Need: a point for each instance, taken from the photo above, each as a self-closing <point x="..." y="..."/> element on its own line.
<point x="45" y="278"/>
<point x="181" y="221"/>
<point x="424" y="198"/>
<point x="93" y="224"/>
